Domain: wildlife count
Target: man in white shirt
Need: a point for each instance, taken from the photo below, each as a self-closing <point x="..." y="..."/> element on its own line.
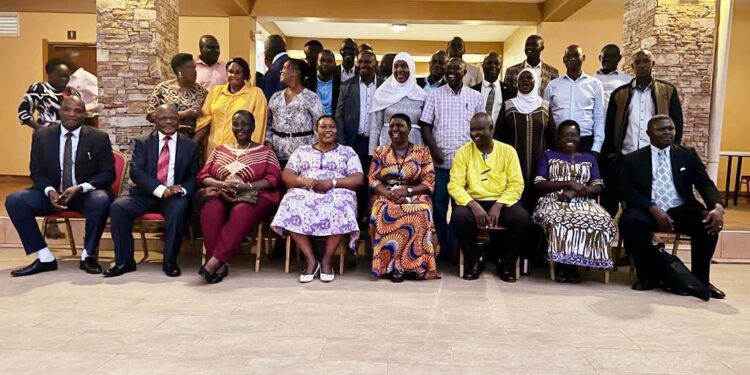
<point x="533" y="50"/>
<point x="494" y="93"/>
<point x="457" y="49"/>
<point x="347" y="70"/>
<point x="579" y="97"/>
<point x="609" y="75"/>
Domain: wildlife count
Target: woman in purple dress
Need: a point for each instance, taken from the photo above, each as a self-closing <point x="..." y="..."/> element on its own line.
<point x="322" y="179"/>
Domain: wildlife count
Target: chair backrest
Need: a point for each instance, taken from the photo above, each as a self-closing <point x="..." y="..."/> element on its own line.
<point x="121" y="164"/>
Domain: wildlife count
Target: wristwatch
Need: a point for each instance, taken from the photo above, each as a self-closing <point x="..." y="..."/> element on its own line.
<point x="409" y="190"/>
<point x="333" y="182"/>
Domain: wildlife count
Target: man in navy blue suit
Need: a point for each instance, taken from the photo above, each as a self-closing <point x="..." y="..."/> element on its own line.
<point x="275" y="56"/>
<point x="163" y="168"/>
<point x="72" y="168"/>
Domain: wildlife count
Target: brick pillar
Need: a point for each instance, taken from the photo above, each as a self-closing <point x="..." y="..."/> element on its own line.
<point x="681" y="36"/>
<point x="135" y="42"/>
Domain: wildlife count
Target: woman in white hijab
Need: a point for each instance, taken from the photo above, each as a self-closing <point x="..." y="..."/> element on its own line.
<point x="398" y="94"/>
<point x="527" y="126"/>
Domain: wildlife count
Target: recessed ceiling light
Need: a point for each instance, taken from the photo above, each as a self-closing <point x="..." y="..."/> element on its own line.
<point x="399" y="27"/>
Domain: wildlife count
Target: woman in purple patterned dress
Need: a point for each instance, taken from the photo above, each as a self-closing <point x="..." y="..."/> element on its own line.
<point x="322" y="179"/>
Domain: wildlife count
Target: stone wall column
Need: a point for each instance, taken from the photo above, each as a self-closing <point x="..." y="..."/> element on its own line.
<point x="135" y="42"/>
<point x="681" y="36"/>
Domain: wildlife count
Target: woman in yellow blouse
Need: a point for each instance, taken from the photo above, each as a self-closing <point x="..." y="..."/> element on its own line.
<point x="224" y="100"/>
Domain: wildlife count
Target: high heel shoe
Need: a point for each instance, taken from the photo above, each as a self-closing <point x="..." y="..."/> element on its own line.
<point x="327" y="277"/>
<point x="306" y="278"/>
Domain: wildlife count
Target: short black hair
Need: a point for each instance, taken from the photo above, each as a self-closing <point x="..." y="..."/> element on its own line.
<point x="243" y="64"/>
<point x="401" y="116"/>
<point x="568" y="123"/>
<point x="657" y="118"/>
<point x="321" y="118"/>
<point x="615" y="46"/>
<point x="179" y="60"/>
<point x="53" y="63"/>
<point x="299" y="66"/>
<point x="314" y="43"/>
<point x="246" y="113"/>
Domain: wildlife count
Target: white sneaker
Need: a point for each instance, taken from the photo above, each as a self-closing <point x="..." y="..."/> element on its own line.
<point x="327" y="277"/>
<point x="306" y="278"/>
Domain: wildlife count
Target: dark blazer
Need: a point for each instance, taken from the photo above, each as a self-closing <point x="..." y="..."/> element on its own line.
<point x="688" y="171"/>
<point x="146" y="156"/>
<point x="272" y="78"/>
<point x="313" y="83"/>
<point x="347" y="111"/>
<point x="507" y="92"/>
<point x="422" y="82"/>
<point x="93" y="160"/>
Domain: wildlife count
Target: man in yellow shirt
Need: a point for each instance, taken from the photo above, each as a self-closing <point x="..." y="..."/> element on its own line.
<point x="486" y="185"/>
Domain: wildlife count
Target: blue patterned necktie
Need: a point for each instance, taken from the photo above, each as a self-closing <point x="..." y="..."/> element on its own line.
<point x="663" y="179"/>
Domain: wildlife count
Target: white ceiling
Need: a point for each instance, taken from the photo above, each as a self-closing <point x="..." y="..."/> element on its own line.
<point x="340" y="30"/>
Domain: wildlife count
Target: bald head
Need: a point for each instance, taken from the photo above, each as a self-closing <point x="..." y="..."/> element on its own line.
<point x="166" y="119"/>
<point x="72" y="112"/>
<point x="209" y="48"/>
<point x="481" y="129"/>
<point x="643" y="66"/>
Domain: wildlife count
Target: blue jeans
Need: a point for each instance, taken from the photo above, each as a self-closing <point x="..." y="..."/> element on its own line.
<point x="440" y="202"/>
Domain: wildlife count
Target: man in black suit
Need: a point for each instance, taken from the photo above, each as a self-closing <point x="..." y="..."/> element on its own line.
<point x="436" y="78"/>
<point x="348" y="52"/>
<point x="352" y="115"/>
<point x="163" y="168"/>
<point x="275" y="56"/>
<point x="72" y="168"/>
<point x="312" y="50"/>
<point x="325" y="83"/>
<point x="494" y="92"/>
<point x="658" y="182"/>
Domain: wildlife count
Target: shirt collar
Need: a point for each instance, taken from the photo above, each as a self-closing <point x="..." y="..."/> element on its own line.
<point x="612" y="73"/>
<point x="198" y="61"/>
<point x="343" y="70"/>
<point x="655" y="150"/>
<point x="76" y="133"/>
<point x="362" y="83"/>
<point x="487" y="84"/>
<point x="583" y="76"/>
<point x="436" y="84"/>
<point x="527" y="65"/>
<point x="171" y="137"/>
<point x="278" y="55"/>
<point x="635" y="84"/>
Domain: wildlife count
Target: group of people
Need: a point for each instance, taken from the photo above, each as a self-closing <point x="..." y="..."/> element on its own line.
<point x="330" y="152"/>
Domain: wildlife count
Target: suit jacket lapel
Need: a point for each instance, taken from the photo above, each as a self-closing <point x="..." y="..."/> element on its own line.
<point x="153" y="150"/>
<point x="54" y="156"/>
<point x="650" y="172"/>
<point x="82" y="145"/>
<point x="675" y="159"/>
<point x="357" y="105"/>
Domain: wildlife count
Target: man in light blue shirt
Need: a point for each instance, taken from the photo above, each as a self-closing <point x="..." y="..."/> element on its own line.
<point x="579" y="97"/>
<point x="326" y="86"/>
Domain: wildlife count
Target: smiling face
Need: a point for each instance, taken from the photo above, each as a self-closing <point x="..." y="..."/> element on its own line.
<point x="533" y="47"/>
<point x="348" y="51"/>
<point x="289" y="74"/>
<point x="480" y="130"/>
<point x="661" y="132"/>
<point x="326" y="130"/>
<point x="491" y="67"/>
<point x="401" y="71"/>
<point x="366" y="64"/>
<point x="567" y="139"/>
<point x="243" y="127"/>
<point x="398" y="130"/>
<point x="210" y="50"/>
<point x="526" y="82"/>
<point x="235" y="75"/>
<point x="72" y="112"/>
<point x="166" y="119"/>
<point x="454" y="72"/>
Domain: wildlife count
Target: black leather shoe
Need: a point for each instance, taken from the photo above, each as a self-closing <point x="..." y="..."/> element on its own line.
<point x="397" y="277"/>
<point x="506" y="274"/>
<point x="641" y="285"/>
<point x="171" y="269"/>
<point x="90" y="265"/>
<point x="120" y="269"/>
<point x="679" y="292"/>
<point x="35" y="268"/>
<point x="715" y="292"/>
<point x="473" y="272"/>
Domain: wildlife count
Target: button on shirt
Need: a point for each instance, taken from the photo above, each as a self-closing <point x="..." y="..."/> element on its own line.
<point x="641" y="110"/>
<point x="610" y="81"/>
<point x="347" y="75"/>
<point x="172" y="145"/>
<point x="450" y="114"/>
<point x="366" y="94"/>
<point x="675" y="198"/>
<point x="324" y="89"/>
<point x="498" y="97"/>
<point x="580" y="100"/>
<point x="87" y="187"/>
<point x="210" y="76"/>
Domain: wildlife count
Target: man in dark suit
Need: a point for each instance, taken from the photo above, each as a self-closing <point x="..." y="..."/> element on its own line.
<point x="312" y="50"/>
<point x="163" y="169"/>
<point x="658" y="182"/>
<point x="275" y="56"/>
<point x="348" y="52"/>
<point x="494" y="92"/>
<point x="436" y="78"/>
<point x="352" y="114"/>
<point x="72" y="168"/>
<point x="325" y="83"/>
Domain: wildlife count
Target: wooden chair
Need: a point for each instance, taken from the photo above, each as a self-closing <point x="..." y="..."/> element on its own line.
<point x="121" y="166"/>
<point x="260" y="237"/>
<point x="154" y="218"/>
<point x="342" y="255"/>
<point x="483" y="238"/>
<point x="618" y="252"/>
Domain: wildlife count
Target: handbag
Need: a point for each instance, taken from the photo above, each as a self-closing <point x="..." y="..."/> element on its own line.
<point x="678" y="276"/>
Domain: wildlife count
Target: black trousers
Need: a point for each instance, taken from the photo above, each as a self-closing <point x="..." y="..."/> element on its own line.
<point x="361" y="147"/>
<point x="507" y="242"/>
<point x="126" y="209"/>
<point x="637" y="226"/>
<point x="24" y="206"/>
<point x="611" y="195"/>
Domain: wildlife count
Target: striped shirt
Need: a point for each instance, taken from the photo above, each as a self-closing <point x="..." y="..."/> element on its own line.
<point x="44" y="99"/>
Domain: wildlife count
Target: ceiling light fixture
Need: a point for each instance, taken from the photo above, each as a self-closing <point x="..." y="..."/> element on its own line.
<point x="399" y="27"/>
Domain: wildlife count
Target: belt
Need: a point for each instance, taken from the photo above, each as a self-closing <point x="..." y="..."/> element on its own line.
<point x="292" y="135"/>
<point x="363" y="136"/>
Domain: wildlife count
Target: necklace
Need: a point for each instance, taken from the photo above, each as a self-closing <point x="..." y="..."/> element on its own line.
<point x="237" y="146"/>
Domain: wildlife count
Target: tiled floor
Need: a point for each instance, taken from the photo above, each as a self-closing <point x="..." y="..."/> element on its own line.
<point x="67" y="322"/>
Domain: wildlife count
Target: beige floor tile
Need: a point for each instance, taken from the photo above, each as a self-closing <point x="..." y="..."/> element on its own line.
<point x="662" y="362"/>
<point x="112" y="320"/>
<point x="124" y="342"/>
<point x="739" y="363"/>
<point x="291" y="367"/>
<point x="406" y="350"/>
<point x="30" y="362"/>
<point x="416" y="369"/>
<point x="255" y="347"/>
<point x="214" y="324"/>
<point x="509" y="356"/>
<point x="157" y="364"/>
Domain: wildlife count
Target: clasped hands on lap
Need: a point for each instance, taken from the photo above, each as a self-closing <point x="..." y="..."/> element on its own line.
<point x="486" y="219"/>
<point x="713" y="222"/>
<point x="60" y="201"/>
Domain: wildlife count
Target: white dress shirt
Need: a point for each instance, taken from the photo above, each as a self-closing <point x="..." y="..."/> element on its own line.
<point x="537" y="70"/>
<point x="474" y="75"/>
<point x="640" y="110"/>
<point x="610" y="81"/>
<point x="580" y="100"/>
<point x="172" y="145"/>
<point x="498" y="97"/>
<point x="347" y="75"/>
<point x="366" y="94"/>
<point x="675" y="198"/>
<point x="87" y="187"/>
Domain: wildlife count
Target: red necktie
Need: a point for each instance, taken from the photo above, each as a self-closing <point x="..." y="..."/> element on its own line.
<point x="162" y="167"/>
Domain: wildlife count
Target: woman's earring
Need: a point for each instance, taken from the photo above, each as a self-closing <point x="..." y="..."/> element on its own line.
<point x="179" y="75"/>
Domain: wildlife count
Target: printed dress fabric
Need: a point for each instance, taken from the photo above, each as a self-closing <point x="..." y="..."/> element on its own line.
<point x="403" y="235"/>
<point x="169" y="92"/>
<point x="578" y="232"/>
<point x="320" y="214"/>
